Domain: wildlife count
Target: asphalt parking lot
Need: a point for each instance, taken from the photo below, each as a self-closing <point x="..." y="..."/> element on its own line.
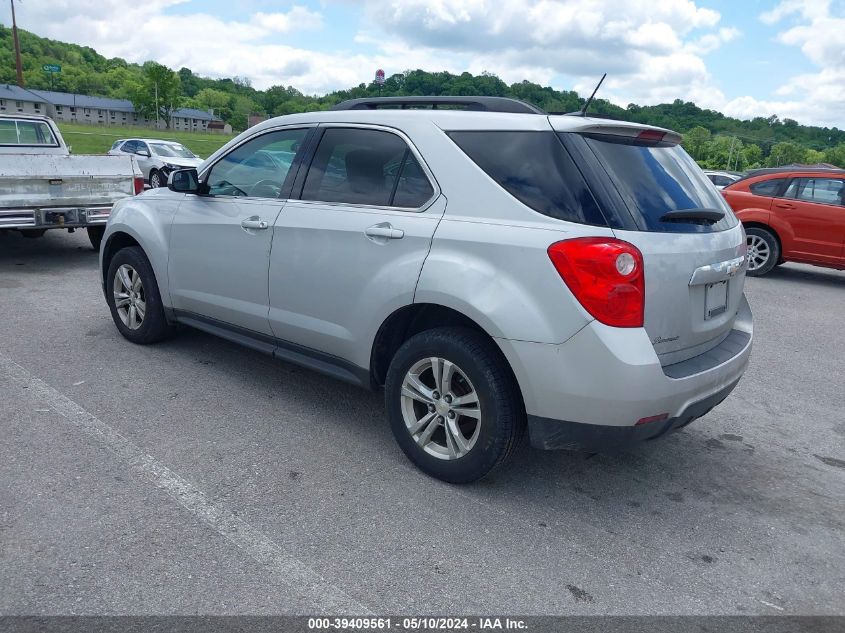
<point x="197" y="477"/>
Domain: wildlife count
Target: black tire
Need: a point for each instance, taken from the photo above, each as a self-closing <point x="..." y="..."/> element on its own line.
<point x="155" y="179"/>
<point x="772" y="245"/>
<point x="502" y="423"/>
<point x="33" y="233"/>
<point x="95" y="235"/>
<point x="154" y="326"/>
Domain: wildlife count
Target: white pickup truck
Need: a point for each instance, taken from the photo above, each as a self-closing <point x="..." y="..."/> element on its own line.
<point x="42" y="186"/>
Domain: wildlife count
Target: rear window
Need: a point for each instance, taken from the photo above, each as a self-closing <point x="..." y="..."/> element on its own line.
<point x="767" y="187"/>
<point x="534" y="168"/>
<point x="655" y="179"/>
<point x="26" y="133"/>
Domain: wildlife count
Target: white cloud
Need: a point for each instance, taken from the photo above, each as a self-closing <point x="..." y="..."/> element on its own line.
<point x="203" y="42"/>
<point x="652" y="50"/>
<point x="810" y="97"/>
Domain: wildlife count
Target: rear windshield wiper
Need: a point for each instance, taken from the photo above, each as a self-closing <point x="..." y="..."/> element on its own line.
<point x="694" y="216"/>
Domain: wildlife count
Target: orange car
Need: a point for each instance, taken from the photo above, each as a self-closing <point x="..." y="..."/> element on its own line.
<point x="791" y="215"/>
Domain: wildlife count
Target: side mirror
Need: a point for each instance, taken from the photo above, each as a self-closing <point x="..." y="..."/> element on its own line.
<point x="184" y="181"/>
<point x="143" y="152"/>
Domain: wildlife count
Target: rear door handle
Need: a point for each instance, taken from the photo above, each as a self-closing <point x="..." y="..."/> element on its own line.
<point x="254" y="223"/>
<point x="384" y="231"/>
<point x="784" y="205"/>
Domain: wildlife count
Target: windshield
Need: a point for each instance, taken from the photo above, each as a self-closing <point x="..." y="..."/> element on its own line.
<point x="171" y="150"/>
<point x="656" y="179"/>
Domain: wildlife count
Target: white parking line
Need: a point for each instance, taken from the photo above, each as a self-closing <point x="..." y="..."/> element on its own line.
<point x="303" y="581"/>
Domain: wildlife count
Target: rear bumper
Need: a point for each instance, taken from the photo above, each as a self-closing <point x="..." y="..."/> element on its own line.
<point x="54" y="217"/>
<point x="589" y="392"/>
<point x="548" y="434"/>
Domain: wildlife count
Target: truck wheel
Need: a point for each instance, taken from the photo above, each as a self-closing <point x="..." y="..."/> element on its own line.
<point x="33" y="233"/>
<point x="133" y="297"/>
<point x="763" y="251"/>
<point x="155" y="179"/>
<point x="453" y="404"/>
<point x="95" y="235"/>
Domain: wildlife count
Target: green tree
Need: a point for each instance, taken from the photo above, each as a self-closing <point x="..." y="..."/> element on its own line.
<point x="752" y="156"/>
<point x="211" y="99"/>
<point x="695" y="142"/>
<point x="786" y="153"/>
<point x="813" y="156"/>
<point x="158" y="92"/>
<point x="836" y="155"/>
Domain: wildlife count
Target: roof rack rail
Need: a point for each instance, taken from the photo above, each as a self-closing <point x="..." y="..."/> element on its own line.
<point x="477" y="104"/>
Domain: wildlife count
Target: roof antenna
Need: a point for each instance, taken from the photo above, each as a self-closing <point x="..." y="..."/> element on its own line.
<point x="583" y="110"/>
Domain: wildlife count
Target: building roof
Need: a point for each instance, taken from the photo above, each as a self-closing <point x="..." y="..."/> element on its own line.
<point x="16" y="93"/>
<point x="70" y="99"/>
<point x="84" y="101"/>
<point x="192" y="113"/>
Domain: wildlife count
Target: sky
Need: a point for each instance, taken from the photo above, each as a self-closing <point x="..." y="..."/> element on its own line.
<point x="745" y="58"/>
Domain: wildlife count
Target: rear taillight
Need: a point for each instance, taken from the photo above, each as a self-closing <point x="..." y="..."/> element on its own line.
<point x="139" y="185"/>
<point x="605" y="275"/>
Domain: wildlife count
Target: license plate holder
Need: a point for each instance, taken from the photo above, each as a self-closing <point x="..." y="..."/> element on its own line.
<point x="715" y="299"/>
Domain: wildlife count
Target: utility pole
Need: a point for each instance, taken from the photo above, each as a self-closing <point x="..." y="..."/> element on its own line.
<point x="156" y="105"/>
<point x="17" y="46"/>
<point x="731" y="152"/>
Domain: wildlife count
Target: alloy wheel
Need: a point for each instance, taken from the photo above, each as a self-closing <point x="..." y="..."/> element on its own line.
<point x="758" y="252"/>
<point x="129" y="297"/>
<point x="441" y="408"/>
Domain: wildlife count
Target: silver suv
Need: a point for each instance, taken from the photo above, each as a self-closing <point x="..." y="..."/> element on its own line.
<point x="493" y="268"/>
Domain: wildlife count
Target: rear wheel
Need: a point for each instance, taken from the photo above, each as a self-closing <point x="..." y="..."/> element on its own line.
<point x="155" y="179"/>
<point x="453" y="404"/>
<point x="133" y="297"/>
<point x="763" y="251"/>
<point x="95" y="235"/>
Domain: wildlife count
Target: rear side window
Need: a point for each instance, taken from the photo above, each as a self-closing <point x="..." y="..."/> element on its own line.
<point x="368" y="167"/>
<point x="655" y="179"/>
<point x="821" y="190"/>
<point x="536" y="169"/>
<point x="767" y="187"/>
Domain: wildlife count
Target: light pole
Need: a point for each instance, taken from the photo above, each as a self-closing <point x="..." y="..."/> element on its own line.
<point x="17" y="46"/>
<point x="156" y="104"/>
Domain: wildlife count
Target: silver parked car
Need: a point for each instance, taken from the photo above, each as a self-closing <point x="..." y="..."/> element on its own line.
<point x="721" y="179"/>
<point x="156" y="158"/>
<point x="494" y="269"/>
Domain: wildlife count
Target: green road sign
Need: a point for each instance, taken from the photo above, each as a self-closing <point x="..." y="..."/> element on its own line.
<point x="52" y="68"/>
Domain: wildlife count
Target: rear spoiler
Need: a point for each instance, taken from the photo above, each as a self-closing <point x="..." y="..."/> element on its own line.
<point x="647" y="134"/>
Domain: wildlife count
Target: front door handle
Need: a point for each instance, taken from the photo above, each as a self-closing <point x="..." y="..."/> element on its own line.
<point x="384" y="231"/>
<point x="254" y="223"/>
<point x="784" y="205"/>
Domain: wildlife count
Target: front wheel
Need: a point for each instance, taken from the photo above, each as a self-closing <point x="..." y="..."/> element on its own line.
<point x="453" y="404"/>
<point x="133" y="297"/>
<point x="155" y="179"/>
<point x="763" y="251"/>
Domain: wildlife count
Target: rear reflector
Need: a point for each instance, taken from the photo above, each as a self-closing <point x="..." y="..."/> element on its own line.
<point x="653" y="136"/>
<point x="139" y="185"/>
<point x="653" y="418"/>
<point x="605" y="275"/>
